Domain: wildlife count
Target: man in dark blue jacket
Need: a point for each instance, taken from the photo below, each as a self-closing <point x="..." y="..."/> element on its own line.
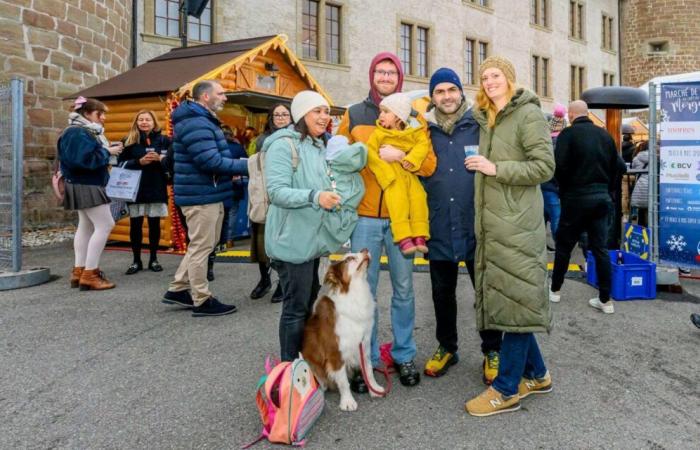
<point x="202" y="182"/>
<point x="454" y="134"/>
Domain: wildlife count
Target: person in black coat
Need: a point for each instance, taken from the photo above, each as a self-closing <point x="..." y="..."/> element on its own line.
<point x="587" y="171"/>
<point x="145" y="148"/>
<point x="628" y="145"/>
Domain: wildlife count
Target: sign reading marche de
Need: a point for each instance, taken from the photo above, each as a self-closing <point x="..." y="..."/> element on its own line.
<point x="679" y="174"/>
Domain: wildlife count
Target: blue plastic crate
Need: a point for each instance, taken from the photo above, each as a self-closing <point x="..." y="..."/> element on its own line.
<point x="634" y="279"/>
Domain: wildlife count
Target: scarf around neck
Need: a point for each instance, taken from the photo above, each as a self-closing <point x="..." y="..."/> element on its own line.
<point x="97" y="130"/>
<point x="447" y="121"/>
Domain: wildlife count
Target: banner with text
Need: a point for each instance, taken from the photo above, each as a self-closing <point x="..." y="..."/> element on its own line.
<point x="679" y="174"/>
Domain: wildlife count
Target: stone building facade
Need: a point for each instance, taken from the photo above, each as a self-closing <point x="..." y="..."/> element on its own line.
<point x="660" y="37"/>
<point x="542" y="37"/>
<point x="58" y="47"/>
<point x="559" y="48"/>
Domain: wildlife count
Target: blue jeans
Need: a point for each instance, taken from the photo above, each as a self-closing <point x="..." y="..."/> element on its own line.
<point x="552" y="210"/>
<point x="375" y="234"/>
<point x="520" y="357"/>
<point x="232" y="216"/>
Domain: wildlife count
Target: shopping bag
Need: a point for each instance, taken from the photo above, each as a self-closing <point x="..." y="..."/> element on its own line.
<point x="118" y="209"/>
<point x="123" y="184"/>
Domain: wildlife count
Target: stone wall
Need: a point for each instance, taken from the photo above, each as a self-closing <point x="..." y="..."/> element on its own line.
<point x="58" y="47"/>
<point x="646" y="22"/>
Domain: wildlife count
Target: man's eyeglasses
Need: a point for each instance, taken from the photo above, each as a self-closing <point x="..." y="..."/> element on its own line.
<point x="386" y="73"/>
<point x="280" y="115"/>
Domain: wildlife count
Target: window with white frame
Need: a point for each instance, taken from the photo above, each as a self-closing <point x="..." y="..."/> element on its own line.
<point x="414" y="49"/>
<point x="167" y="21"/>
<point x="577" y="19"/>
<point x="539" y="13"/>
<point x="606" y="33"/>
<point x="539" y="75"/>
<point x="577" y="81"/>
<point x="476" y="51"/>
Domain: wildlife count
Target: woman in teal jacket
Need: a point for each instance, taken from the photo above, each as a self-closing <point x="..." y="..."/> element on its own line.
<point x="312" y="210"/>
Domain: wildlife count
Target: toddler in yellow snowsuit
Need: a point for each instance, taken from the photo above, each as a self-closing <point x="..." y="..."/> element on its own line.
<point x="405" y="197"/>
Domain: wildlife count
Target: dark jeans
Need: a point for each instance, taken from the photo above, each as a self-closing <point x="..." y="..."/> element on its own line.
<point x="520" y="357"/>
<point x="443" y="278"/>
<point x="300" y="287"/>
<point x="592" y="215"/>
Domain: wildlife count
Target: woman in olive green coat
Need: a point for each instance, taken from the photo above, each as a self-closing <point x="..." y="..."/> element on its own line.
<point x="515" y="156"/>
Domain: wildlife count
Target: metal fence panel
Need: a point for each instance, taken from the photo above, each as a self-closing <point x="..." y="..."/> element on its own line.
<point x="11" y="176"/>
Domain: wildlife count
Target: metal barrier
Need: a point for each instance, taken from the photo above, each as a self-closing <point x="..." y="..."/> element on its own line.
<point x="11" y="173"/>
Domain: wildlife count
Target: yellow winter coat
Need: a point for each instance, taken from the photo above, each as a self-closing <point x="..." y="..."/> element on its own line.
<point x="405" y="197"/>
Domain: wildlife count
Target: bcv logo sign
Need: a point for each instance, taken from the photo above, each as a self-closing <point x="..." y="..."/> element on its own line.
<point x="681" y="165"/>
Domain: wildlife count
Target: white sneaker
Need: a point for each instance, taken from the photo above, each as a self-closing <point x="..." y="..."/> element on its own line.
<point x="554" y="297"/>
<point x="607" y="308"/>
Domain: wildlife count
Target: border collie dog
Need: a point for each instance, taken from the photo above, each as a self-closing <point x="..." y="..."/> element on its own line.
<point x="341" y="321"/>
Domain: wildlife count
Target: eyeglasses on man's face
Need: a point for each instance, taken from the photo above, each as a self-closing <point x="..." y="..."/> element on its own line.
<point x="386" y="73"/>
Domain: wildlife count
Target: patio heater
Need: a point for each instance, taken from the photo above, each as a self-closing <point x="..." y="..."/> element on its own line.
<point x="613" y="99"/>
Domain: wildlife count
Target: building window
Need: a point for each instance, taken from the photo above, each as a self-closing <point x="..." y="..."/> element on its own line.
<point x="309" y="29"/>
<point x="539" y="73"/>
<point x="422" y="69"/>
<point x="321" y="31"/>
<point x="406" y="47"/>
<point x="606" y="33"/>
<point x="608" y="79"/>
<point x="578" y="82"/>
<point x="333" y="34"/>
<point x="470" y="66"/>
<point x="167" y="21"/>
<point x="539" y="13"/>
<point x="484" y="3"/>
<point x="476" y="52"/>
<point x="658" y="47"/>
<point x="576" y="19"/>
<point x="414" y="48"/>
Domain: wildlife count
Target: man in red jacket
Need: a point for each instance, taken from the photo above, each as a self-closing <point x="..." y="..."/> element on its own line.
<point x="373" y="230"/>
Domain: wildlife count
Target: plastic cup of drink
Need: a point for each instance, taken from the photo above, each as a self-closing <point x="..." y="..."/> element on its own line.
<point x="471" y="150"/>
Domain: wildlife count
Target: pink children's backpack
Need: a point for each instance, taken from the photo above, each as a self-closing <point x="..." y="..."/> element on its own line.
<point x="289" y="401"/>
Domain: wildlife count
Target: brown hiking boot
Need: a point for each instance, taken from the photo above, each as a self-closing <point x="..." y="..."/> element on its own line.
<point x="75" y="276"/>
<point x="94" y="280"/>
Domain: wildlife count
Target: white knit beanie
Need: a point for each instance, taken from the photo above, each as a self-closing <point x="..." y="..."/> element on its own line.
<point x="399" y="104"/>
<point x="304" y="102"/>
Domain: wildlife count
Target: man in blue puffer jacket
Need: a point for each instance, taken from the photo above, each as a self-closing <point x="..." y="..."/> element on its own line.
<point x="203" y="171"/>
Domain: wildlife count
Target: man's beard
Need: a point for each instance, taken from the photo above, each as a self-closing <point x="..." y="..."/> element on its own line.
<point x="456" y="107"/>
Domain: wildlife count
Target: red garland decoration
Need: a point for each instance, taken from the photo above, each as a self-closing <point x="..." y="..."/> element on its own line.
<point x="178" y="231"/>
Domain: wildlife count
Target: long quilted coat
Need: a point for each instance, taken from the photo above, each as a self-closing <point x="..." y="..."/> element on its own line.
<point x="511" y="257"/>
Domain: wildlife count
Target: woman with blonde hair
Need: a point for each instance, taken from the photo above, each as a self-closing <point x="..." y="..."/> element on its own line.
<point x="145" y="148"/>
<point x="83" y="153"/>
<point x="515" y="156"/>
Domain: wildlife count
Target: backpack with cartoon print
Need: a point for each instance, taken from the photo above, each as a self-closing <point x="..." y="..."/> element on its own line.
<point x="289" y="400"/>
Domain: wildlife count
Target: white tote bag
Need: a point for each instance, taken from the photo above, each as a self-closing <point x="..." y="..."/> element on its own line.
<point x="123" y="184"/>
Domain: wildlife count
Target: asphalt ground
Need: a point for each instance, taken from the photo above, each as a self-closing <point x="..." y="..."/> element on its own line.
<point x="119" y="369"/>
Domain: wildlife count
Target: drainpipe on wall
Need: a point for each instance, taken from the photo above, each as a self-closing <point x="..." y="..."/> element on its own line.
<point x="134" y="33"/>
<point x="619" y="40"/>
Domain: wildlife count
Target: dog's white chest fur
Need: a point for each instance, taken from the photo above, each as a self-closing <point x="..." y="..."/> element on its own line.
<point x="354" y="320"/>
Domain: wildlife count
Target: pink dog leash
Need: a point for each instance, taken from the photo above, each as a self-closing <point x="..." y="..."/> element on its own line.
<point x="383" y="371"/>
